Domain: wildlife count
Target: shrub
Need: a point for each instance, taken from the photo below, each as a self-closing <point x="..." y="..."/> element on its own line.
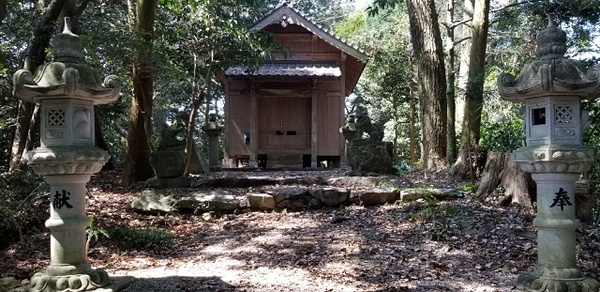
<point x="131" y="238"/>
<point x="23" y="206"/>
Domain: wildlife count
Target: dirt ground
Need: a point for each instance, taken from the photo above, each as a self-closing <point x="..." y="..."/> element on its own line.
<point x="458" y="245"/>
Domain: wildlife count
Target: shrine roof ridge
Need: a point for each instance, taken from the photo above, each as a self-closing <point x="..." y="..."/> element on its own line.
<point x="285" y="13"/>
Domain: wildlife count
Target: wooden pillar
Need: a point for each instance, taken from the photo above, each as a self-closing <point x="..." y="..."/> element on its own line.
<point x="313" y="124"/>
<point x="342" y="113"/>
<point x="253" y="161"/>
<point x="227" y="126"/>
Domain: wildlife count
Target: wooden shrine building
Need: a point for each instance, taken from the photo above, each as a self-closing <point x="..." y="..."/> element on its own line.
<point x="289" y="111"/>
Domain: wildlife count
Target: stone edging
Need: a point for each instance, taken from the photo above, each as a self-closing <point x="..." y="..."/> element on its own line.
<point x="291" y="198"/>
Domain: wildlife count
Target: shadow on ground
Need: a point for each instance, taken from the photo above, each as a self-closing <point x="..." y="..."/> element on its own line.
<point x="180" y="283"/>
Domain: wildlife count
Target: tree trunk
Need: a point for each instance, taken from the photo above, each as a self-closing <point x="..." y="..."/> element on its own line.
<point x="191" y="125"/>
<point x="516" y="184"/>
<point x="138" y="148"/>
<point x="427" y="46"/>
<point x="450" y="80"/>
<point x="34" y="57"/>
<point x="465" y="167"/>
<point x="471" y="124"/>
<point x="464" y="50"/>
<point x="490" y="177"/>
<point x="2" y="10"/>
<point x="100" y="141"/>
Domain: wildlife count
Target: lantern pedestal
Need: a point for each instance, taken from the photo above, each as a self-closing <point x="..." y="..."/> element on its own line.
<point x="555" y="171"/>
<point x="67" y="170"/>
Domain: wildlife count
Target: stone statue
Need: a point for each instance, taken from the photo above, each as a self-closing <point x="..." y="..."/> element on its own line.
<point x="363" y="125"/>
<point x="173" y="137"/>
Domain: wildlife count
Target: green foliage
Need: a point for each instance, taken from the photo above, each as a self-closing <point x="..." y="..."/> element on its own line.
<point x="404" y="168"/>
<point x="94" y="232"/>
<point x="387" y="184"/>
<point x="22" y="207"/>
<point x="501" y="126"/>
<point x="591" y="137"/>
<point x="132" y="238"/>
<point x="468" y="188"/>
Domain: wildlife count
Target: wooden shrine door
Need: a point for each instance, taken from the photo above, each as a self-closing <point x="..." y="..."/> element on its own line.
<point x="284" y="124"/>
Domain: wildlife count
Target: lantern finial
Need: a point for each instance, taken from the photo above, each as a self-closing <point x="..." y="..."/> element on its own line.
<point x="67" y="45"/>
<point x="551" y="42"/>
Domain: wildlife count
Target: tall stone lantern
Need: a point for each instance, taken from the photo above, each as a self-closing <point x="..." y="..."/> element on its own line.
<point x="551" y="89"/>
<point x="213" y="130"/>
<point x="67" y="91"/>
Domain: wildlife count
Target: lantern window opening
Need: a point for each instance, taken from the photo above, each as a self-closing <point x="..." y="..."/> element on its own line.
<point x="563" y="114"/>
<point x="538" y="116"/>
<point x="56" y="117"/>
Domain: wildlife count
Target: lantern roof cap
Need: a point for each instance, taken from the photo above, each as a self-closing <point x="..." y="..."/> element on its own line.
<point x="66" y="77"/>
<point x="552" y="73"/>
<point x="551" y="41"/>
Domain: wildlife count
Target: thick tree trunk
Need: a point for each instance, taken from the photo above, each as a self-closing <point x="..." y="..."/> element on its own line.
<point x="501" y="170"/>
<point x="465" y="167"/>
<point x="471" y="124"/>
<point x="516" y="184"/>
<point x="490" y="177"/>
<point x="35" y="56"/>
<point x="138" y="148"/>
<point x="427" y="46"/>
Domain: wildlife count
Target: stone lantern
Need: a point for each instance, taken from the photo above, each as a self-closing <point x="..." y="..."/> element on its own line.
<point x="349" y="133"/>
<point x="213" y="130"/>
<point x="551" y="89"/>
<point x="67" y="91"/>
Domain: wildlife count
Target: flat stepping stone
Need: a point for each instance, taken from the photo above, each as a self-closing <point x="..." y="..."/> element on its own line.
<point x="155" y="201"/>
<point x="356" y="181"/>
<point x="260" y="201"/>
<point x="330" y="196"/>
<point x="293" y="198"/>
<point x="211" y="200"/>
<point x="375" y="196"/>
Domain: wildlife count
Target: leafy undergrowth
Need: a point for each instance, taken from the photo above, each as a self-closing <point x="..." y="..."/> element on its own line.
<point x="459" y="245"/>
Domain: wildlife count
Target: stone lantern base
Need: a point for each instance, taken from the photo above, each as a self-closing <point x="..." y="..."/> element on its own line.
<point x="557" y="280"/>
<point x="86" y="281"/>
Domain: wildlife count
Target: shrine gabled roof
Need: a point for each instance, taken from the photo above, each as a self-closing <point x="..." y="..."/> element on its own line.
<point x="285" y="15"/>
<point x="289" y="68"/>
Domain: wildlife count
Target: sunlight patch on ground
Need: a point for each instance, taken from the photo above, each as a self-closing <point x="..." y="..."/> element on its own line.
<point x="269" y="238"/>
<point x="480" y="287"/>
<point x="294" y="279"/>
<point x="228" y="269"/>
<point x="228" y="248"/>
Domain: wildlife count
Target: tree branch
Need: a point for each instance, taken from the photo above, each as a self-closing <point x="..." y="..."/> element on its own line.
<point x="81" y="8"/>
<point x="42" y="34"/>
<point x="511" y="5"/>
<point x="461" y="40"/>
<point x="455" y="24"/>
